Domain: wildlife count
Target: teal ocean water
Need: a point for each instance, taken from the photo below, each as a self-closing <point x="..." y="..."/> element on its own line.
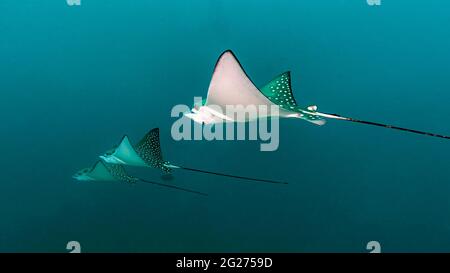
<point x="75" y="79"/>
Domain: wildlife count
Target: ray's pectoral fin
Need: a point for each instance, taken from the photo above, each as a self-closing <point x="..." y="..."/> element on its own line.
<point x="230" y="84"/>
<point x="279" y="91"/>
<point x="124" y="154"/>
<point x="149" y="149"/>
<point x="103" y="171"/>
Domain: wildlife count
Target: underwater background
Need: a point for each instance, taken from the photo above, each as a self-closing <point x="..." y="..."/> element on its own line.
<point x="75" y="79"/>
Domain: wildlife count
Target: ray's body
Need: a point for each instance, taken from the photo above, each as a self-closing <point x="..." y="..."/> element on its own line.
<point x="147" y="153"/>
<point x="230" y="85"/>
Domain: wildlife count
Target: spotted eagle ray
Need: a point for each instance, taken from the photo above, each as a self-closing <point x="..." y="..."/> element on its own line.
<point x="230" y="85"/>
<point x="102" y="171"/>
<point x="147" y="153"/>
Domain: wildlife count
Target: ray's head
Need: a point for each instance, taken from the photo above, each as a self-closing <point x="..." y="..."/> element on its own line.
<point x="82" y="175"/>
<point x="109" y="157"/>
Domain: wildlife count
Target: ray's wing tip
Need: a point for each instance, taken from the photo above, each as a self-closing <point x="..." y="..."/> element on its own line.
<point x="152" y="131"/>
<point x="125" y="136"/>
<point x="227" y="51"/>
<point x="100" y="161"/>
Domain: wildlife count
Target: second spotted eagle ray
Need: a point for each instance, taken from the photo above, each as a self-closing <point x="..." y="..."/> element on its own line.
<point x="147" y="153"/>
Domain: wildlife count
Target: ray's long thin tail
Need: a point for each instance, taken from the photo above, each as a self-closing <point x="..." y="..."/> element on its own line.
<point x="229" y="175"/>
<point x="173" y="187"/>
<point x="336" y="116"/>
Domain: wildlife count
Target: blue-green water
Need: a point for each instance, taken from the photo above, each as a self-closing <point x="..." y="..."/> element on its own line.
<point x="74" y="79"/>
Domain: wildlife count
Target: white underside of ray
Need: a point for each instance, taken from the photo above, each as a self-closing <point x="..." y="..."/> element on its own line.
<point x="124" y="154"/>
<point x="231" y="86"/>
<point x="207" y="115"/>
